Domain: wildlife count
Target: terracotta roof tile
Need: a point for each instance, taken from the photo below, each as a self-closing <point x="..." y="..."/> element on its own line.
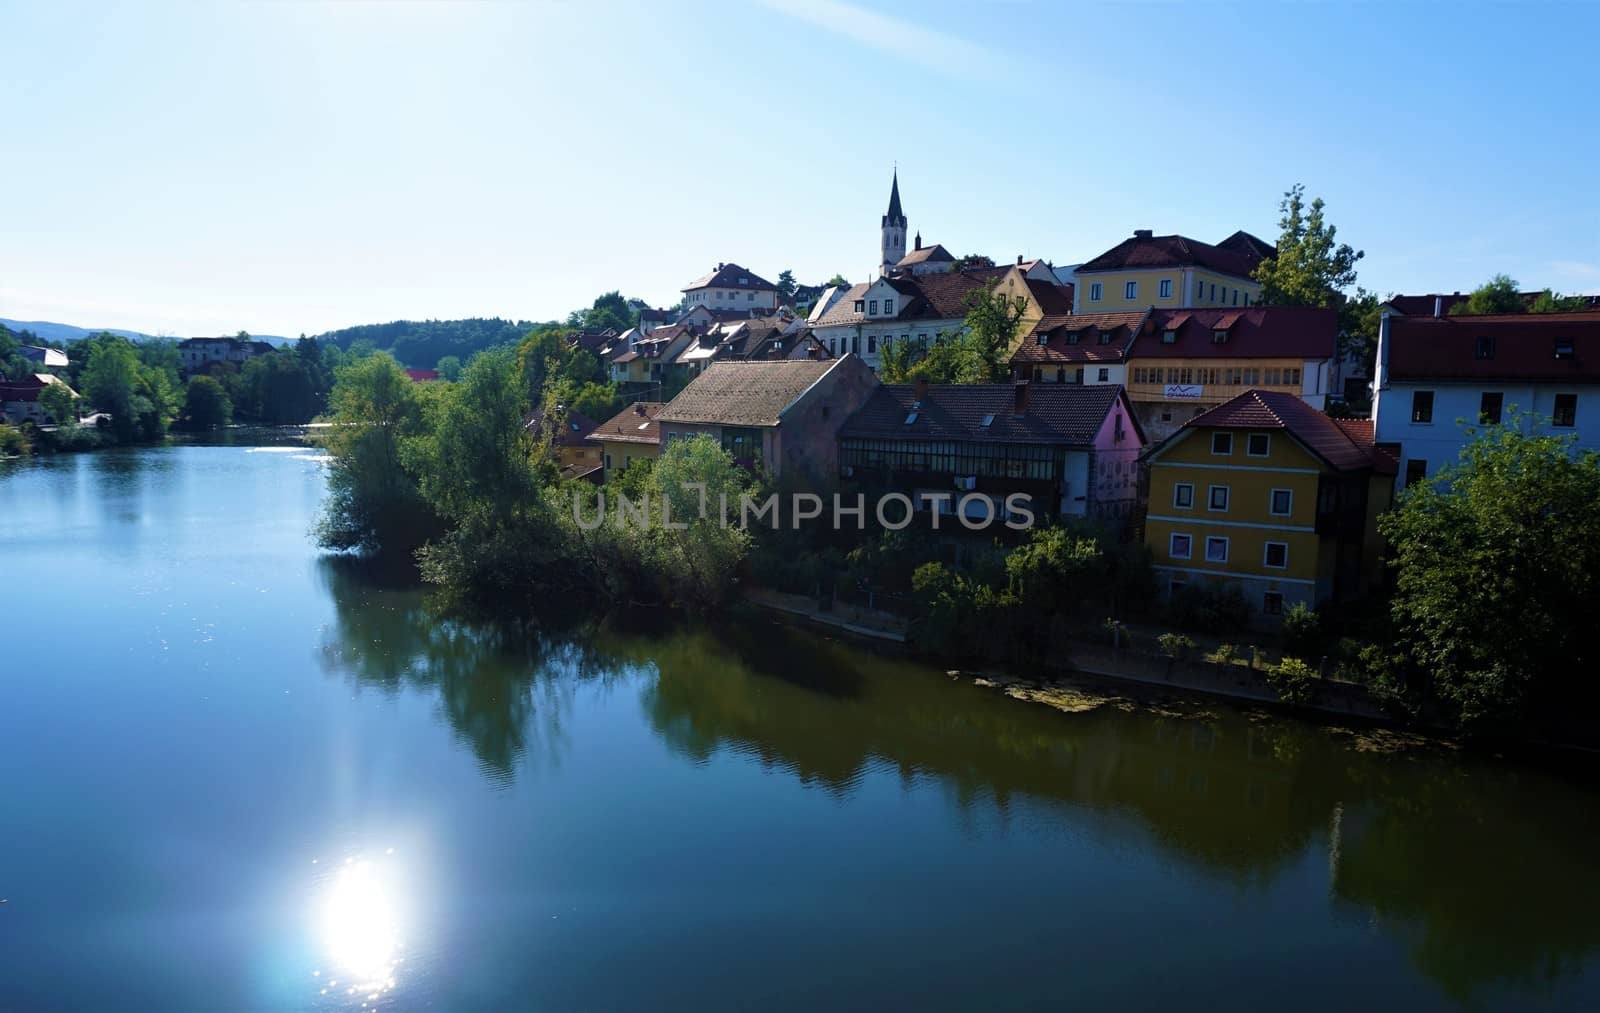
<point x="1058" y="329"/>
<point x="1236" y="256"/>
<point x="1344" y="448"/>
<point x="744" y="393"/>
<point x="731" y="276"/>
<point x="634" y="424"/>
<point x="1260" y="332"/>
<point x="1521" y="346"/>
<point x="1056" y="413"/>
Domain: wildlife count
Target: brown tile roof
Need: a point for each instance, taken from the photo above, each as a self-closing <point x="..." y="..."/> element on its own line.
<point x="1235" y="255"/>
<point x="1069" y="414"/>
<point x="1260" y="332"/>
<point x="1423" y="305"/>
<point x="843" y="310"/>
<point x="571" y="431"/>
<point x="1052" y="299"/>
<point x="1057" y="329"/>
<point x="745" y="393"/>
<point x="1524" y="347"/>
<point x="1343" y="447"/>
<point x="940" y="296"/>
<point x="925" y="254"/>
<point x="634" y="424"/>
<point x="731" y="276"/>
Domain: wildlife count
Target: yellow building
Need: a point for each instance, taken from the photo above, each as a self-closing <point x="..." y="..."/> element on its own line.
<point x="630" y="436"/>
<point x="1271" y="495"/>
<point x="1173" y="272"/>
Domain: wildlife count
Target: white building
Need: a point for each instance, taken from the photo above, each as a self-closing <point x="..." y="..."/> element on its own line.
<point x="199" y="353"/>
<point x="731" y="287"/>
<point x="1439" y="375"/>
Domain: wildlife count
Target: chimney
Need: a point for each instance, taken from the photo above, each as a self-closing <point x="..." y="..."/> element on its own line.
<point x="1142" y="233"/>
<point x="919" y="241"/>
<point x="1020" y="399"/>
<point x="638" y="409"/>
<point x="922" y="388"/>
<point x="1019" y="260"/>
<point x="1438" y="306"/>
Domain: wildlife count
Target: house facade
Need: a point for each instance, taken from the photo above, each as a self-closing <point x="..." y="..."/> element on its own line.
<point x="1084" y="348"/>
<point x="201" y="353"/>
<point x="1171" y="272"/>
<point x="630" y="436"/>
<point x="1437" y="376"/>
<point x="1072" y="450"/>
<point x="780" y="415"/>
<point x="1267" y="493"/>
<point x="19" y="399"/>
<point x="731" y="287"/>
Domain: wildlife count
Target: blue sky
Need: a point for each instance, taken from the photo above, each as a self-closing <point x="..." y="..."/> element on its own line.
<point x="285" y="168"/>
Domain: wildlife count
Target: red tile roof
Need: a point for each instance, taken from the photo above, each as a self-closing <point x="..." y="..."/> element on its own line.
<point x="935" y="253"/>
<point x="1052" y="299"/>
<point x="634" y="424"/>
<point x="1260" y="332"/>
<point x="1069" y="414"/>
<point x="1237" y="255"/>
<point x="1523" y="347"/>
<point x="1345" y="444"/>
<point x="731" y="276"/>
<point x="1059" y="347"/>
<point x="423" y="375"/>
<point x="1423" y="305"/>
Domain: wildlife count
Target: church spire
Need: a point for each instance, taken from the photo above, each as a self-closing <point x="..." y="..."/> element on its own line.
<point x="895" y="215"/>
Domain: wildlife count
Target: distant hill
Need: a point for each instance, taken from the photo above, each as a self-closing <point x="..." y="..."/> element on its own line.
<point x="422" y="343"/>
<point x="53" y="332"/>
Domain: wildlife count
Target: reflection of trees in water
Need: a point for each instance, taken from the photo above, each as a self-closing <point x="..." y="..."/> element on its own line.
<point x="1482" y="869"/>
<point x="502" y="685"/>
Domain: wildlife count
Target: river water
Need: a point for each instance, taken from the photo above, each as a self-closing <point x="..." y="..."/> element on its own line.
<point x="236" y="774"/>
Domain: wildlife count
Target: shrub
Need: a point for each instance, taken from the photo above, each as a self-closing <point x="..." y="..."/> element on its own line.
<point x="1302" y="630"/>
<point x="1223" y="655"/>
<point x="1293" y="680"/>
<point x="1175" y="645"/>
<point x="1209" y="608"/>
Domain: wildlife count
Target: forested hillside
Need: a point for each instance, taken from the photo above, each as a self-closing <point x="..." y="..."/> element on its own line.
<point x="422" y="343"/>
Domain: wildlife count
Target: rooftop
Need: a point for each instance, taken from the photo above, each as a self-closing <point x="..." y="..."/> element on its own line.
<point x="1055" y="413"/>
<point x="1237" y="255"/>
<point x="1345" y="444"/>
<point x="745" y="393"/>
<point x="731" y="276"/>
<point x="634" y="424"/>
<point x="1542" y="347"/>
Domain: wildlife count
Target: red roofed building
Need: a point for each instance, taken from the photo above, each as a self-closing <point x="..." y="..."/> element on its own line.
<point x="1267" y="494"/>
<point x="1438" y="376"/>
<point x="1172" y="271"/>
<point x="423" y="375"/>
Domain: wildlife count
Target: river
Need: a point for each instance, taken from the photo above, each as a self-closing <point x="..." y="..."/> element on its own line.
<point x="238" y="774"/>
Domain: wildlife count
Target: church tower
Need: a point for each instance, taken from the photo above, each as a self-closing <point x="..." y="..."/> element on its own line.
<point x="894" y="228"/>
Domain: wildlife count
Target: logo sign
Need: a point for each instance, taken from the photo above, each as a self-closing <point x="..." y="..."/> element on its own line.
<point x="1182" y="392"/>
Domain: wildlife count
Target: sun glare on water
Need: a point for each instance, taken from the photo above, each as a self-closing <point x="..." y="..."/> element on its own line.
<point x="361" y="929"/>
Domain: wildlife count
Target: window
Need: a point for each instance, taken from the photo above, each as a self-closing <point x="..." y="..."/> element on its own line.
<point x="1422" y="406"/>
<point x="988" y="420"/>
<point x="1166" y="288"/>
<point x="1282" y="504"/>
<point x="1563" y="348"/>
<point x="872" y="343"/>
<point x="744" y="281"/>
<point x="1416" y="471"/>
<point x="1277" y="556"/>
<point x="1183" y="495"/>
<point x="1224" y="293"/>
<point x="1078" y="375"/>
<point x="1484" y="348"/>
<point x="1130" y="290"/>
<point x="1095" y="289"/>
<point x="1105" y="374"/>
<point x="749" y="297"/>
<point x="1044" y="337"/>
<point x="1222" y="443"/>
<point x="1105" y="335"/>
<point x="872" y="307"/>
<point x="608" y="462"/>
<point x="1236" y="297"/>
<point x="1180" y="547"/>
<point x="1061" y="374"/>
<point x="861" y="305"/>
<point x="1169" y="337"/>
<point x="1219" y="337"/>
<point x="888" y="307"/>
<point x="1218" y="497"/>
<point x="1216" y="549"/>
<point x="1272" y="603"/>
<point x="1566" y="413"/>
<point x="1213" y="292"/>
<point x="1072" y="337"/>
<point x="1258" y="444"/>
<point x="1489" y="407"/>
<point x="1247" y="298"/>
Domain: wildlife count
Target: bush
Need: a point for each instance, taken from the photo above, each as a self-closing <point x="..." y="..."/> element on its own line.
<point x="1302" y="630"/>
<point x="1209" y="608"/>
<point x="1223" y="655"/>
<point x="1293" y="680"/>
<point x="1175" y="645"/>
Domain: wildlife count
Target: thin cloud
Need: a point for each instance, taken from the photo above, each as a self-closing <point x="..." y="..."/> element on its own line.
<point x="1576" y="270"/>
<point x="937" y="51"/>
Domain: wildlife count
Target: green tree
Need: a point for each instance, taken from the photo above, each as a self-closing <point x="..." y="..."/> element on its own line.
<point x="206" y="403"/>
<point x="993" y="319"/>
<point x="58" y="403"/>
<point x="1497" y="295"/>
<point x="1554" y="302"/>
<point x="1310" y="267"/>
<point x="1054" y="570"/>
<point x="786" y="285"/>
<point x="1498" y="576"/>
<point x="142" y="400"/>
<point x="610" y="310"/>
<point x="374" y="500"/>
<point x="449" y="368"/>
<point x="838" y="279"/>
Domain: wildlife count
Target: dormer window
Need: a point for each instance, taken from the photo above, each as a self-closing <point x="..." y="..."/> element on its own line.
<point x="1564" y="348"/>
<point x="1484" y="348"/>
<point x="1219" y="337"/>
<point x="861" y="305"/>
<point x="1072" y="337"/>
<point x="744" y="281"/>
<point x="1169" y="337"/>
<point x="1105" y="336"/>
<point x="1044" y="338"/>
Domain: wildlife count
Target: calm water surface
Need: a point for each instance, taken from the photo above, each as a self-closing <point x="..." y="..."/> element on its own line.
<point x="237" y="775"/>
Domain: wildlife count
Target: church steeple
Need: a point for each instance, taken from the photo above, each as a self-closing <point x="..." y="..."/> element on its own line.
<point x="894" y="228"/>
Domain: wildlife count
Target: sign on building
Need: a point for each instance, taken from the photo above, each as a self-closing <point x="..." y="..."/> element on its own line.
<point x="1182" y="392"/>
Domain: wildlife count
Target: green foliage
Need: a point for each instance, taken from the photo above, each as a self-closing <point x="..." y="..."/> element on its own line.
<point x="206" y="404"/>
<point x="449" y="368"/>
<point x="1293" y="680"/>
<point x="1310" y="268"/>
<point x="280" y="388"/>
<point x="1175" y="645"/>
<point x="1054" y="570"/>
<point x="58" y="403"/>
<point x="1225" y="654"/>
<point x="612" y="311"/>
<point x="994" y="319"/>
<point x="13" y="441"/>
<point x="972" y="260"/>
<point x="421" y="343"/>
<point x="375" y="501"/>
<point x="1208" y="608"/>
<point x="837" y="279"/>
<point x="1497" y="295"/>
<point x="1554" y="302"/>
<point x="1302" y="630"/>
<point x="786" y="285"/>
<point x="1498" y="578"/>
<point x="142" y="398"/>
